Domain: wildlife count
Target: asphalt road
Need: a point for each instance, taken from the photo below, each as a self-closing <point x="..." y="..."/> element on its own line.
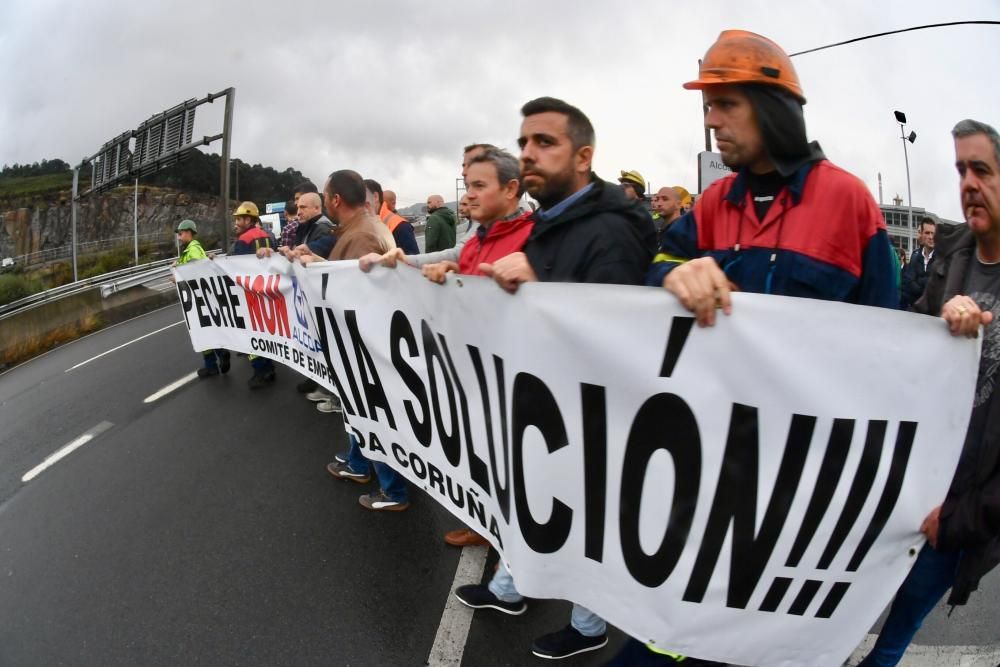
<point x="202" y="529"/>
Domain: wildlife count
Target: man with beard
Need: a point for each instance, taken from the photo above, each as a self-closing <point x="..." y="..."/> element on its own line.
<point x="963" y="533"/>
<point x="633" y="185"/>
<point x="586" y="231"/>
<point x="250" y="238"/>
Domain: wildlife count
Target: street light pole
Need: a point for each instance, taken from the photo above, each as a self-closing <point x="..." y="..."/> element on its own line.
<point x="135" y="219"/>
<point x="910" y="232"/>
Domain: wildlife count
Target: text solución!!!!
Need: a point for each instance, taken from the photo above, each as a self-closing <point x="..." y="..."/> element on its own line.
<point x="258" y="304"/>
<point x="664" y="421"/>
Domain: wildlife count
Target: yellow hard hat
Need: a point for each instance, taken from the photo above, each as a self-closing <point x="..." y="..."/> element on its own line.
<point x="683" y="195"/>
<point x="633" y="178"/>
<point x="247" y="208"/>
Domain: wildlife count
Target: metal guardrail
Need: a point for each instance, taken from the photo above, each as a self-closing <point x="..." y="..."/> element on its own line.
<point x="107" y="289"/>
<point x="83" y="285"/>
<point x="49" y="254"/>
<point x="108" y="283"/>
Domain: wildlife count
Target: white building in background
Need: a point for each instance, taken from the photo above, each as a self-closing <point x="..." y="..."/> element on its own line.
<point x="897" y="218"/>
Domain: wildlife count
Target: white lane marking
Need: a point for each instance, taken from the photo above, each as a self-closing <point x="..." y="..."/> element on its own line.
<point x="176" y="384"/>
<point x="66" y="450"/>
<point x="449" y="642"/>
<point x="935" y="656"/>
<point x="115" y="349"/>
<point x="81" y="338"/>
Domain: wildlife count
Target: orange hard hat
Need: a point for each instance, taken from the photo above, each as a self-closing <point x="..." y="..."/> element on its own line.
<point x="740" y="56"/>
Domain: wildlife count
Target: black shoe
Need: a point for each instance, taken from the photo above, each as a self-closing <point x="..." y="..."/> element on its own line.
<point x="306" y="386"/>
<point x="261" y="380"/>
<point x="478" y="596"/>
<point x="207" y="372"/>
<point x="223" y="361"/>
<point x="343" y="471"/>
<point x="566" y="642"/>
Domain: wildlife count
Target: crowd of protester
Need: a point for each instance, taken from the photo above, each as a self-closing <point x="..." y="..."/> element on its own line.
<point x="787" y="221"/>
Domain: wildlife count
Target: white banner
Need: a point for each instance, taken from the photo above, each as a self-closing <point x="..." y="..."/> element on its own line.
<point x="748" y="493"/>
<point x="254" y="306"/>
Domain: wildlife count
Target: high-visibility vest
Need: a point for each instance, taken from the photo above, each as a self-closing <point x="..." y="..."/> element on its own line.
<point x="390" y="218"/>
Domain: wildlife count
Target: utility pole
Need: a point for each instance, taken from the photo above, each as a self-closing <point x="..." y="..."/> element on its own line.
<point x="227" y="131"/>
<point x="910" y="231"/>
<point x="704" y="111"/>
<point x="76" y="189"/>
<point x="135" y="218"/>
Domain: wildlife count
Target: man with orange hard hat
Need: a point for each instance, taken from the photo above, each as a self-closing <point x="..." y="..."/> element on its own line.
<point x="786" y="221"/>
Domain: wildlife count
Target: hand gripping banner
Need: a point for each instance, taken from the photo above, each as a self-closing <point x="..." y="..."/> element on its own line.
<point x="749" y="493"/>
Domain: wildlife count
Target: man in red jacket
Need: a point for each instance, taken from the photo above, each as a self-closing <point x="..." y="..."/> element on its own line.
<point x="494" y="191"/>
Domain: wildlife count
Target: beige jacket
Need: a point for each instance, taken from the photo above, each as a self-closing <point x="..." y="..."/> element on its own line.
<point x="359" y="234"/>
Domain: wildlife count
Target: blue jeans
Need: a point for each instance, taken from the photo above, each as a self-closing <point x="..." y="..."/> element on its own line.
<point x="392" y="483"/>
<point x="931" y="577"/>
<point x="584" y="621"/>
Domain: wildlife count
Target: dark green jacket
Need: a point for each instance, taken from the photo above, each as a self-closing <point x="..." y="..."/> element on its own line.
<point x="439" y="234"/>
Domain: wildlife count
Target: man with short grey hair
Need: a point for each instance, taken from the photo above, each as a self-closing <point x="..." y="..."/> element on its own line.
<point x="448" y="254"/>
<point x="963" y="532"/>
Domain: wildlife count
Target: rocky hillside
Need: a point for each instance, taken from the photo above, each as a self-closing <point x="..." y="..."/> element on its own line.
<point x="35" y="211"/>
<point x="46" y="222"/>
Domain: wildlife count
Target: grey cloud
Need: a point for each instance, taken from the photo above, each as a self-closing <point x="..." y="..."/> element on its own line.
<point x="395" y="89"/>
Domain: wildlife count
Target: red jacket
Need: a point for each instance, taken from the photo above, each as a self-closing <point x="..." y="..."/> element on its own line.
<point x="488" y="245"/>
<point x="822" y="238"/>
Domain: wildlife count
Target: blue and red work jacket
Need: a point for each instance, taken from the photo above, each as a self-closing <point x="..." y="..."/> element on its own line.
<point x="823" y="237"/>
<point x="252" y="240"/>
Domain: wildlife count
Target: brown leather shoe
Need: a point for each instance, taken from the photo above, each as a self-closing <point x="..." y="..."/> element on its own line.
<point x="464" y="537"/>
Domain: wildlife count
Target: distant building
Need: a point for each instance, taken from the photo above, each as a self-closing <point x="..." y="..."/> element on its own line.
<point x="897" y="219"/>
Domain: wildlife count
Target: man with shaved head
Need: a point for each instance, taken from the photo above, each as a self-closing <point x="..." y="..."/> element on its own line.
<point x="315" y="231"/>
<point x="464" y="216"/>
<point x="402" y="230"/>
<point x="389" y="199"/>
<point x="440" y="231"/>
<point x="666" y="203"/>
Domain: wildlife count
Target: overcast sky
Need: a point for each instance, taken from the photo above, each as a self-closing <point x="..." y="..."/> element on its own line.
<point x="395" y="89"/>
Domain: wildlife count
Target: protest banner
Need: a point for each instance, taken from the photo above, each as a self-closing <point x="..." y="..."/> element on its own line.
<point x="251" y="305"/>
<point x="749" y="493"/>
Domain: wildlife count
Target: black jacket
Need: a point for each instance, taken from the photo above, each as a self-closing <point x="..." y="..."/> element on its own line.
<point x="970" y="516"/>
<point x="318" y="234"/>
<point x="602" y="238"/>
<point x="915" y="277"/>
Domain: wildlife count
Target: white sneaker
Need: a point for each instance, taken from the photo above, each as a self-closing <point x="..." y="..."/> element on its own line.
<point x="332" y="404"/>
<point x="319" y="395"/>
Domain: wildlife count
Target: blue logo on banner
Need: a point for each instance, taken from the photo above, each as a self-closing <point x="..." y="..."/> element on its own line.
<point x="300" y="303"/>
